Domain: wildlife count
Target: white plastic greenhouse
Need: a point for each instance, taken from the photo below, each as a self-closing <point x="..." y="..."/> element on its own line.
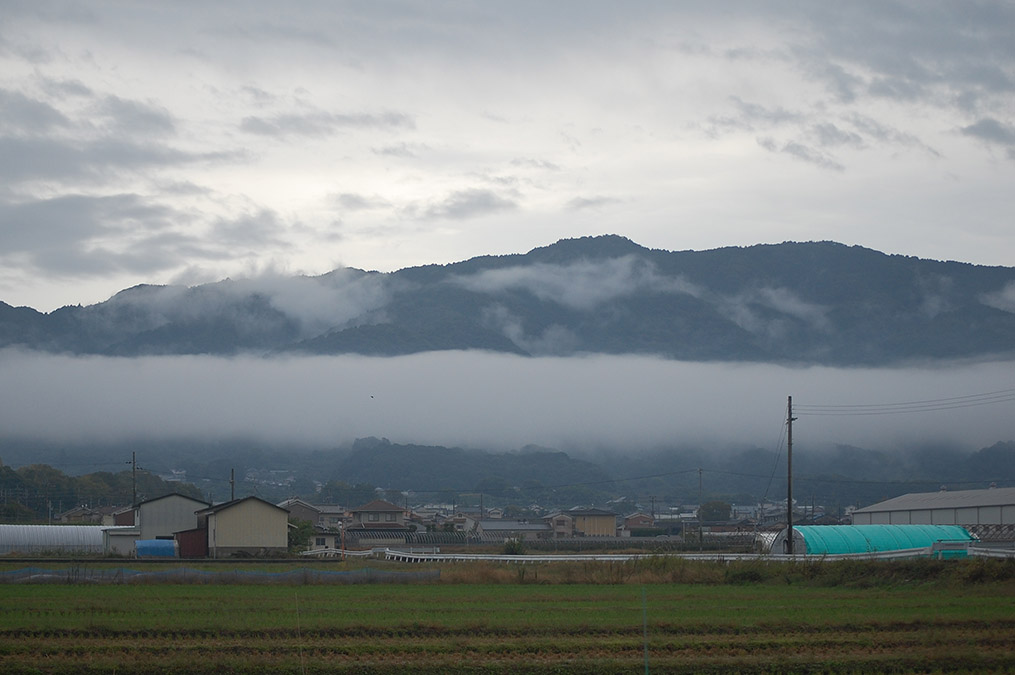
<point x="35" y="539"/>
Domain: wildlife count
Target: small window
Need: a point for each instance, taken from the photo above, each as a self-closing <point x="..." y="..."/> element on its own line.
<point x="390" y="517"/>
<point x="320" y="541"/>
<point x="374" y="517"/>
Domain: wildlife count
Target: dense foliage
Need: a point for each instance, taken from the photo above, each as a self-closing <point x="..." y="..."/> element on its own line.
<point x="38" y="492"/>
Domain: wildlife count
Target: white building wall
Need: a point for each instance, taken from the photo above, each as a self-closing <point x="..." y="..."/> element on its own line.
<point x="922" y="517"/>
<point x="899" y="518"/>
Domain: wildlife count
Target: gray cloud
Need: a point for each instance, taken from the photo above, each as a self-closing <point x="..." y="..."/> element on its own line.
<point x="801" y="152"/>
<point x="1003" y="299"/>
<point x="62" y="88"/>
<point x="21" y="113"/>
<point x="320" y="124"/>
<point x="259" y="97"/>
<point x="83" y="235"/>
<point x="350" y="201"/>
<point x="580" y="285"/>
<point x="597" y="202"/>
<point x="407" y="150"/>
<point x="743" y="308"/>
<point x="470" y="203"/>
<point x="555" y="340"/>
<point x="575" y="403"/>
<point x="993" y="132"/>
<point x="315" y="303"/>
<point x="247" y="231"/>
<point x="535" y="164"/>
<point x="752" y="114"/>
<point x="828" y="134"/>
<point x="61" y="160"/>
<point x="134" y="117"/>
<point x="79" y="234"/>
<point x="878" y="131"/>
<point x="936" y="53"/>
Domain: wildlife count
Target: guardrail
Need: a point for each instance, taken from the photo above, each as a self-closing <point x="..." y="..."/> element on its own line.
<point x="396" y="555"/>
<point x="926" y="552"/>
<point x="336" y="553"/>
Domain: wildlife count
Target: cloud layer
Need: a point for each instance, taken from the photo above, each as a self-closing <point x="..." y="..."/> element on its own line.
<point x="488" y="401"/>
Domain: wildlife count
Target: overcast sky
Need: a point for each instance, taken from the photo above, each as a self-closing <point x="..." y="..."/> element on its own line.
<point x="189" y="141"/>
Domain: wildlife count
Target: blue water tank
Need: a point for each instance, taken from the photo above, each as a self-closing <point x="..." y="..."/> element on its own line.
<point x="156" y="548"/>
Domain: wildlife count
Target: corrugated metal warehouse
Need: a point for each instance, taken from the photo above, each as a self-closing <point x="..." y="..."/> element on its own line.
<point x="990" y="513"/>
<point x="838" y="539"/>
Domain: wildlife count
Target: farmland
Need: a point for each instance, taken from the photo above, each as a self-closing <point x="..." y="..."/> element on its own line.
<point x="913" y="617"/>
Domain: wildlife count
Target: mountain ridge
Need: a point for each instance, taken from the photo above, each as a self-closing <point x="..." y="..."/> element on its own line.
<point x="794" y="302"/>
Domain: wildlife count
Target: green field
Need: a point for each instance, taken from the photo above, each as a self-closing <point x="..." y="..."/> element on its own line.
<point x="960" y="621"/>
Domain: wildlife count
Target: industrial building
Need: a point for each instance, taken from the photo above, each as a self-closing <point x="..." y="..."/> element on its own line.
<point x="989" y="514"/>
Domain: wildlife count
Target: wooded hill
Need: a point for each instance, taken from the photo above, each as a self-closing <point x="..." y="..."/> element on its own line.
<point x="817" y="302"/>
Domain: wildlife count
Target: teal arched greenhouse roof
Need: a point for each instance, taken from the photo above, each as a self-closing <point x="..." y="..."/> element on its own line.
<point x="833" y="539"/>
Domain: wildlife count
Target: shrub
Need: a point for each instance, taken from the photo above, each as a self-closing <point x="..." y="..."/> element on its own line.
<point x="514" y="547"/>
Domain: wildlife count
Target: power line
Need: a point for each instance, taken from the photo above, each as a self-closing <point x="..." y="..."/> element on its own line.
<point x="927" y="405"/>
<point x="778" y="456"/>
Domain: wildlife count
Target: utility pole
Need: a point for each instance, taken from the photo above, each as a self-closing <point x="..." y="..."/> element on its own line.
<point x="133" y="476"/>
<point x="232" y="484"/>
<point x="701" y="530"/>
<point x="789" y="475"/>
<point x="653" y="500"/>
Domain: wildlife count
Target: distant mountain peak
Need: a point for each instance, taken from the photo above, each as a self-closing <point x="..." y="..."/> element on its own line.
<point x="594" y="247"/>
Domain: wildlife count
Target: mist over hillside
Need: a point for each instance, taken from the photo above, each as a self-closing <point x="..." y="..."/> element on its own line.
<point x="598" y="348"/>
<point x="833" y="477"/>
<point x="812" y="303"/>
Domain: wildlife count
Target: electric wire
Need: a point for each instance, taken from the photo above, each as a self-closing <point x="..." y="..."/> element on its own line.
<point x="778" y="457"/>
<point x="927" y="405"/>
